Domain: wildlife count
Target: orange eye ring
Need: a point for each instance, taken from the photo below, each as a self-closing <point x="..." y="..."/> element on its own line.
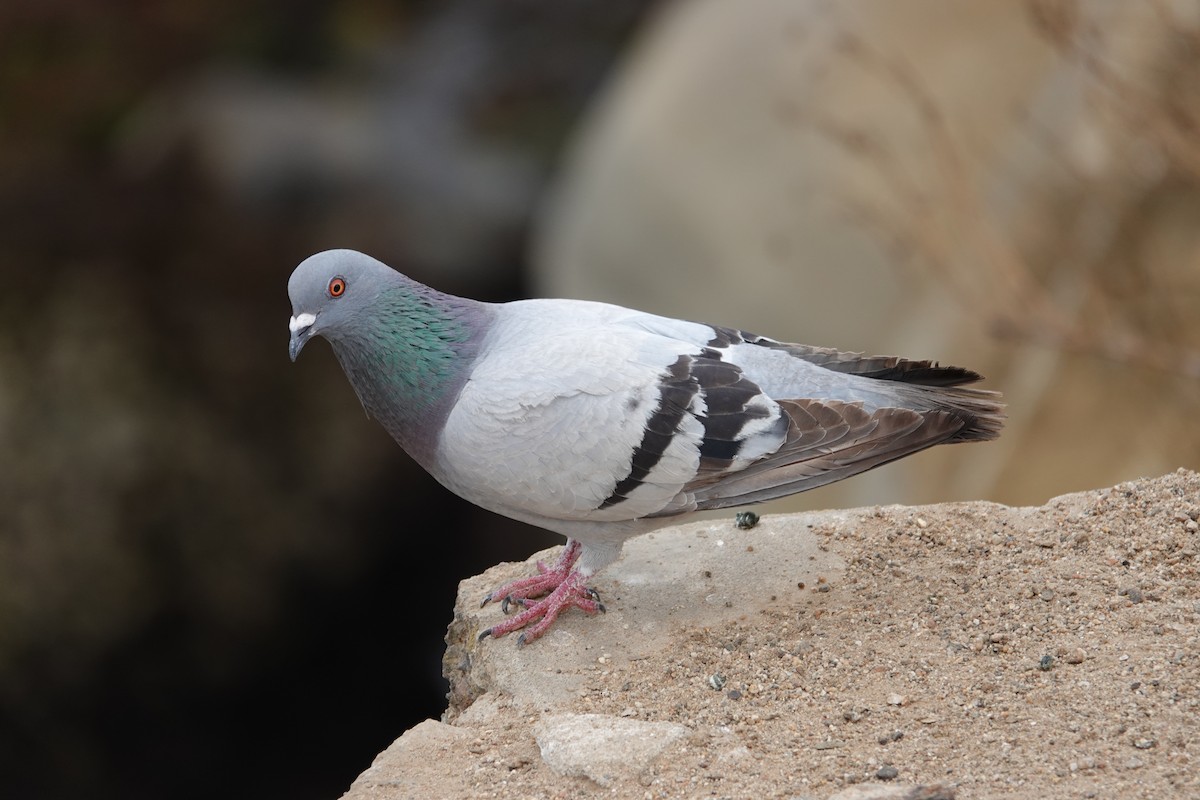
<point x="337" y="287"/>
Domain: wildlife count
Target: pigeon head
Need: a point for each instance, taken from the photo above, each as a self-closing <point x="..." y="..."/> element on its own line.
<point x="406" y="348"/>
<point x="330" y="292"/>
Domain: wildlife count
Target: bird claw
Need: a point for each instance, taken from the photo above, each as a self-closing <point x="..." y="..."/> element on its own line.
<point x="540" y="615"/>
<point x="546" y="581"/>
<point x="562" y="587"/>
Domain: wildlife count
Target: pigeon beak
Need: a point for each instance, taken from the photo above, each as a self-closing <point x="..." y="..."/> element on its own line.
<point x="301" y="328"/>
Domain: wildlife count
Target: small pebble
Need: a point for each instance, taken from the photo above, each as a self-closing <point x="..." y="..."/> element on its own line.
<point x="894" y="699"/>
<point x="1134" y="594"/>
<point x="1076" y="656"/>
<point x="745" y="520"/>
<point x="1144" y="744"/>
<point x="1046" y="663"/>
<point x="716" y="681"/>
<point x="888" y="773"/>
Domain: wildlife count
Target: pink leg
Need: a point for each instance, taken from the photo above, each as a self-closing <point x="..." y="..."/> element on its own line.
<point x="566" y="589"/>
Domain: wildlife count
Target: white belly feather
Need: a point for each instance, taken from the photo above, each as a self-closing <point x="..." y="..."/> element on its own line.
<point x="548" y="422"/>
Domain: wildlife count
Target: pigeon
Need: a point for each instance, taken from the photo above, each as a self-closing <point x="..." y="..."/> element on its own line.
<point x="602" y="423"/>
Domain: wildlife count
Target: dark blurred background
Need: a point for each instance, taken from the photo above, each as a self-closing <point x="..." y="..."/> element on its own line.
<point x="219" y="578"/>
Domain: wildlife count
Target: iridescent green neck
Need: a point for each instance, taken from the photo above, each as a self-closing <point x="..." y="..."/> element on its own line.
<point x="407" y="357"/>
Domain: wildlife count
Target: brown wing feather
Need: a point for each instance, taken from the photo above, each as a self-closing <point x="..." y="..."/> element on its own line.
<point x="827" y="441"/>
<point x="884" y="368"/>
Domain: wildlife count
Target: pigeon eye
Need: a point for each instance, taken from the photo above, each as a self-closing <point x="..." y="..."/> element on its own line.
<point x="337" y="287"/>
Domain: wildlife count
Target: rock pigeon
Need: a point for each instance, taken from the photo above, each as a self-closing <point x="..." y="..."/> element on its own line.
<point x="602" y="423"/>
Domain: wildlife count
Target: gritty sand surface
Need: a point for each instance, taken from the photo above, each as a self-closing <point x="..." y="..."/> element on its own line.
<point x="1048" y="652"/>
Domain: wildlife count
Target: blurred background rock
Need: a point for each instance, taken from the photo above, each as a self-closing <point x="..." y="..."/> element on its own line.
<point x="218" y="578"/>
<point x="1007" y="186"/>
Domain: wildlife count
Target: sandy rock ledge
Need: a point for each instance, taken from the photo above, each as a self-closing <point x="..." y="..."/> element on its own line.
<point x="959" y="650"/>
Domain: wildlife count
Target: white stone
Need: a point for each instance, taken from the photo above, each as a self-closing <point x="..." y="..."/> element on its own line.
<point x="602" y="748"/>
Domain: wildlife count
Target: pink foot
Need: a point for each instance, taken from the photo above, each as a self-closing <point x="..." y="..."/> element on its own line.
<point x="565" y="587"/>
<point x="547" y="579"/>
